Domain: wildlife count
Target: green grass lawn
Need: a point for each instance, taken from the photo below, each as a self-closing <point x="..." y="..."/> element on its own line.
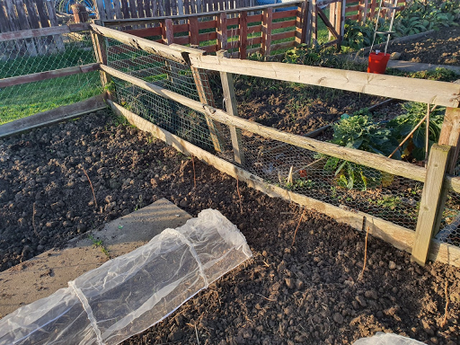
<point x="27" y="99"/>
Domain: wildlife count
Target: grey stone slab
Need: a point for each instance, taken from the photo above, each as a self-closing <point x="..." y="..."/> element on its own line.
<point x="46" y="273"/>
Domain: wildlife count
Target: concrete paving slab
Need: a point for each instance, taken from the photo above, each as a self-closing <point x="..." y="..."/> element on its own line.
<point x="46" y="273"/>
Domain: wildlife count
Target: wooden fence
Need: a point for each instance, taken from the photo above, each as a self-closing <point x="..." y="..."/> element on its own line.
<point x="123" y="9"/>
<point x="420" y="242"/>
<point x="244" y="34"/>
<point x="18" y="15"/>
<point x="365" y="9"/>
<point x="436" y="178"/>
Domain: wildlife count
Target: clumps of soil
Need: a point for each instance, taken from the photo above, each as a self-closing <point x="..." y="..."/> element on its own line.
<point x="306" y="293"/>
<point x="440" y="47"/>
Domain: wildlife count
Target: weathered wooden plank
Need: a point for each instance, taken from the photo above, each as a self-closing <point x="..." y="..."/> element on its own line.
<point x="222" y="31"/>
<point x="430" y="202"/>
<point x="410" y="89"/>
<point x="282" y="36"/>
<point x="371" y="160"/>
<point x="328" y="24"/>
<point x="54" y="30"/>
<point x="285" y="14"/>
<point x="267" y="31"/>
<point x="231" y="106"/>
<point x="283" y="25"/>
<point x="148" y="32"/>
<point x="52" y="116"/>
<point x="194" y="31"/>
<point x="450" y="135"/>
<point x="243" y="41"/>
<point x="168" y="31"/>
<point x="63" y="72"/>
<point x="140" y="43"/>
<point x="127" y="22"/>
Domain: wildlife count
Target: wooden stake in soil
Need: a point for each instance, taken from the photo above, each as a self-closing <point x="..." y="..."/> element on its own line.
<point x="91" y="185"/>
<point x="194" y="175"/>
<point x="298" y="225"/>
<point x="361" y="275"/>
<point x="446" y="309"/>
<point x="239" y="196"/>
<point x="33" y="221"/>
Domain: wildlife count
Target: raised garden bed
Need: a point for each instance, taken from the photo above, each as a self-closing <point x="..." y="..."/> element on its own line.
<point x="306" y="293"/>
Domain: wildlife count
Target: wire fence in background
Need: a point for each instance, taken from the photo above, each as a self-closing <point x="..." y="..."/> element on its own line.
<point x="57" y="52"/>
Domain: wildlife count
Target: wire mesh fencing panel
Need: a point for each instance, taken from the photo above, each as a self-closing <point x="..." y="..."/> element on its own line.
<point x="337" y="182"/>
<point x="60" y="51"/>
<point x="172" y="75"/>
<point x="450" y="223"/>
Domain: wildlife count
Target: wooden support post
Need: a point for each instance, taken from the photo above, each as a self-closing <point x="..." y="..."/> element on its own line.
<point x="243" y="27"/>
<point x="343" y="6"/>
<point x="100" y="50"/>
<point x="314" y="21"/>
<point x="167" y="31"/>
<point x="450" y="135"/>
<point x="431" y="203"/>
<point x="231" y="108"/>
<point x="332" y="17"/>
<point x="267" y="17"/>
<point x="194" y="31"/>
<point x="309" y="25"/>
<point x="302" y="21"/>
<point x="222" y="31"/>
<point x="365" y="12"/>
<point x="206" y="97"/>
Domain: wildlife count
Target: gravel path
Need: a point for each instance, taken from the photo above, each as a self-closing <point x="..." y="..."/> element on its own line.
<point x="306" y="293"/>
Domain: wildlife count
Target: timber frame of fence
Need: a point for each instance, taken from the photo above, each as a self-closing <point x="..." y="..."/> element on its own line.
<point x="436" y="177"/>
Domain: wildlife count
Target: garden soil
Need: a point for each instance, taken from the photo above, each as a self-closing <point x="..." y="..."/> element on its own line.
<point x="441" y="47"/>
<point x="306" y="292"/>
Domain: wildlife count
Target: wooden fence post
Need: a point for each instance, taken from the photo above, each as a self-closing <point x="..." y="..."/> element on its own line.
<point x="302" y="22"/>
<point x="193" y="31"/>
<point x="100" y="50"/>
<point x="332" y="17"/>
<point x="222" y="31"/>
<point x="243" y="41"/>
<point x="167" y="31"/>
<point x="450" y="135"/>
<point x="431" y="204"/>
<point x="204" y="92"/>
<point x="267" y="16"/>
<point x="231" y="108"/>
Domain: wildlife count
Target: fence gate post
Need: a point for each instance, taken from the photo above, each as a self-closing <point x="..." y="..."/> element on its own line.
<point x="431" y="204"/>
<point x="222" y="30"/>
<point x="243" y="41"/>
<point x="231" y="108"/>
<point x="301" y="22"/>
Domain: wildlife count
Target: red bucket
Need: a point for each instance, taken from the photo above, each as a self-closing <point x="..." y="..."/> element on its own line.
<point x="378" y="63"/>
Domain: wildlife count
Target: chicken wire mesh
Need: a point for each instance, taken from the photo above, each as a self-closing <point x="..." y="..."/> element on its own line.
<point x="35" y="55"/>
<point x="450" y="223"/>
<point x="340" y="183"/>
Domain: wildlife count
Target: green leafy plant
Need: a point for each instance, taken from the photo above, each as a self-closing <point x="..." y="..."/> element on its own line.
<point x="97" y="243"/>
<point x="359" y="131"/>
<point x="402" y="125"/>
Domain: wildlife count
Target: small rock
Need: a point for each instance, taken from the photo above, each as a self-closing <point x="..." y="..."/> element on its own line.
<point x="361" y="301"/>
<point x="392" y="265"/>
<point x="395" y="56"/>
<point x="184" y="203"/>
<point x="337" y="318"/>
<point x="290" y="283"/>
<point x="371" y="294"/>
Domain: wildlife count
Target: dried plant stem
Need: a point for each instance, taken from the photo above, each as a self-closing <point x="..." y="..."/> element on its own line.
<point x="446" y="309"/>
<point x="194" y="175"/>
<point x="91" y="185"/>
<point x="33" y="221"/>
<point x="365" y="255"/>
<point x="239" y="196"/>
<point x="298" y="225"/>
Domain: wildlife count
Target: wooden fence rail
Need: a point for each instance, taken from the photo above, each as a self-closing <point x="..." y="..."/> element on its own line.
<point x="441" y="93"/>
<point x="16" y="15"/>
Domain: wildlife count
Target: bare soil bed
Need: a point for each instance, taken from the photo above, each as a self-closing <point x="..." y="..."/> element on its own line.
<point x="302" y="293"/>
<point x="441" y="47"/>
